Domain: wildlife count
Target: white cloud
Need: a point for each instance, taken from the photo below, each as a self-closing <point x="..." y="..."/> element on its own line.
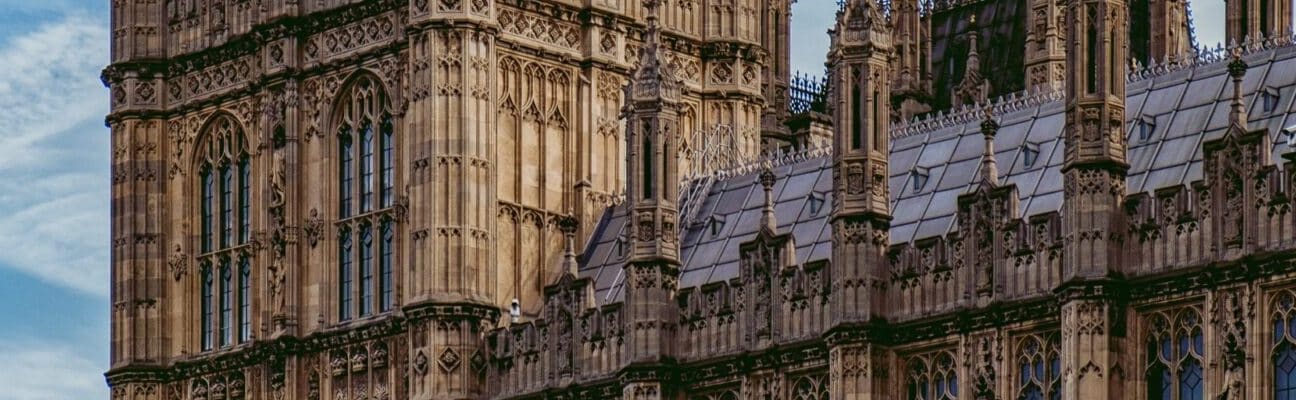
<point x="53" y="154"/>
<point x="35" y="370"/>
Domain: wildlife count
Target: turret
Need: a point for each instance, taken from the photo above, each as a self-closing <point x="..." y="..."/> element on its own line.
<point x="861" y="79"/>
<point x="1256" y="19"/>
<point x="652" y="168"/>
<point x="912" y="76"/>
<point x="1045" y="51"/>
<point x="1094" y="181"/>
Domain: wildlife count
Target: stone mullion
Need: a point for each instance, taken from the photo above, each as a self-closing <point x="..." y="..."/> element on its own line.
<point x="294" y="187"/>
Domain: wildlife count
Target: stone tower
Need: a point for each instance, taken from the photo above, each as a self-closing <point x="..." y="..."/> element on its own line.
<point x="859" y="58"/>
<point x="912" y="41"/>
<point x="141" y="338"/>
<point x="1170" y="38"/>
<point x="1045" y="50"/>
<point x="451" y="290"/>
<point x="1256" y="19"/>
<point x="652" y="272"/>
<point x="1094" y="181"/>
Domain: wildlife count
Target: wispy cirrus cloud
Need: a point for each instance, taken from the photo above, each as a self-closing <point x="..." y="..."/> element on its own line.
<point x="53" y="154"/>
<point x="39" y="370"/>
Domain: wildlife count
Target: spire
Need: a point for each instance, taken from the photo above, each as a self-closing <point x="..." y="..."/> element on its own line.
<point x="768" y="221"/>
<point x="989" y="168"/>
<point x="1237" y="109"/>
<point x="654" y="79"/>
<point x="973" y="89"/>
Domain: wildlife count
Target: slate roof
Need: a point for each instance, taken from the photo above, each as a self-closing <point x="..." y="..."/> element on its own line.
<point x="1186" y="107"/>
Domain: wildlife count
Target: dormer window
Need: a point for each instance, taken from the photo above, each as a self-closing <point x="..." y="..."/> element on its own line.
<point x="1145" y="127"/>
<point x="918" y="179"/>
<point x="815" y="203"/>
<point x="621" y="243"/>
<point x="1030" y="154"/>
<point x="1269" y="100"/>
<point x="715" y="225"/>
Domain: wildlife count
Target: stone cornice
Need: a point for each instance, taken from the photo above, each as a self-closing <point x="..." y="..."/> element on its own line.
<point x="259" y="351"/>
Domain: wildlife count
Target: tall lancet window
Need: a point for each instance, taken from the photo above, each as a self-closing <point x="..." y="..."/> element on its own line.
<point x="1284" y="346"/>
<point x="857" y="110"/>
<point x="1174" y="356"/>
<point x="646" y="156"/>
<point x="367" y="205"/>
<point x="1264" y="19"/>
<point x="1091" y="50"/>
<point x="225" y="223"/>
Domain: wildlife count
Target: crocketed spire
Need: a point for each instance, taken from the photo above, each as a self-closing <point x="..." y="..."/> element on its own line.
<point x="655" y="79"/>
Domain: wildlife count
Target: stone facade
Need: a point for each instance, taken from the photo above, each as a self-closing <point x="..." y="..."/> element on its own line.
<point x="483" y="199"/>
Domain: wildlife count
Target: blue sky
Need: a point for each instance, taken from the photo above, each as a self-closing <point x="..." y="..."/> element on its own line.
<point x="54" y="187"/>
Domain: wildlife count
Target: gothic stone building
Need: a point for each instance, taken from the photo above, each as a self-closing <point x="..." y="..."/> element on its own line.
<point x="530" y="199"/>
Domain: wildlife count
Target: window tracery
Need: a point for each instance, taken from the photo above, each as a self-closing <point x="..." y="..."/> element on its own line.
<point x="1174" y="355"/>
<point x="1283" y="345"/>
<point x="366" y="199"/>
<point x="810" y="388"/>
<point x="1039" y="368"/>
<point x="933" y="377"/>
<point x="225" y="220"/>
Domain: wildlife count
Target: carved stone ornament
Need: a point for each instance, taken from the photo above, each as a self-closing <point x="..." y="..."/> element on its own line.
<point x="449" y="360"/>
<point x="854" y="179"/>
<point x="420" y="363"/>
<point x="178" y="263"/>
<point x="313" y="229"/>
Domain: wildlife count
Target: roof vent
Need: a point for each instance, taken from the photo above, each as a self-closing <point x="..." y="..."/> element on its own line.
<point x="1030" y="154"/>
<point x="715" y="225"/>
<point x="816" y="203"/>
<point x="621" y="243"/>
<point x="918" y="179"/>
<point x="1269" y="100"/>
<point x="1145" y="127"/>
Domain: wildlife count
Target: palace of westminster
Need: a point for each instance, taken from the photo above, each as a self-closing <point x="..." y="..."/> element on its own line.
<point x="637" y="199"/>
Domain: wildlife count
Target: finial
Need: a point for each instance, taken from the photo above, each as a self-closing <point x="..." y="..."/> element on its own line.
<point x="567" y="225"/>
<point x="767" y="180"/>
<point x="989" y="127"/>
<point x="1237" y="69"/>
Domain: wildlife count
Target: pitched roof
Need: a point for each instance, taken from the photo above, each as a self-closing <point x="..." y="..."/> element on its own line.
<point x="1184" y="108"/>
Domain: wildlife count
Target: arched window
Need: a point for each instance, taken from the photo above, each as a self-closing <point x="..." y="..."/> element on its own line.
<point x="366" y="199"/>
<point x="810" y="388"/>
<point x="1284" y="346"/>
<point x="932" y="378"/>
<point x="1039" y="368"/>
<point x="225" y="223"/>
<point x="1174" y="356"/>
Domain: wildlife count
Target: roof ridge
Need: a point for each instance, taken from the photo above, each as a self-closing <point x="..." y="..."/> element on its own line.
<point x="1207" y="56"/>
<point x="1001" y="105"/>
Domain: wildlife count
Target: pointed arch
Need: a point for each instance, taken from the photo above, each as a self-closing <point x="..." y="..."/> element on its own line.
<point x="1038" y="365"/>
<point x="366" y="176"/>
<point x="1283" y="344"/>
<point x="1174" y="354"/>
<point x="223" y="158"/>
